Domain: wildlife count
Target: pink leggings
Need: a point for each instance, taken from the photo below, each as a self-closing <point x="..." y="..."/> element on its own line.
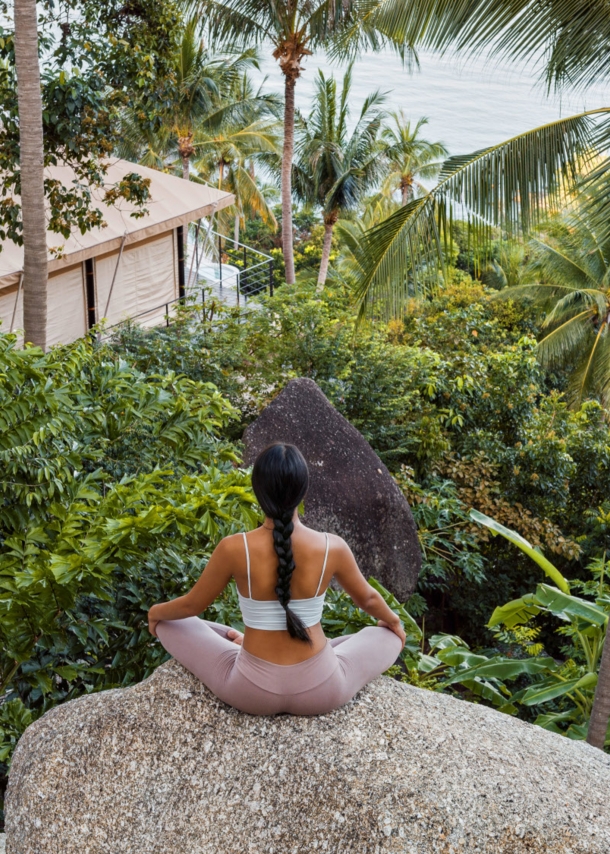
<point x="315" y="686"/>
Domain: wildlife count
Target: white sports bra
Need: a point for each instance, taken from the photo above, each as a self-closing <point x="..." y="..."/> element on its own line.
<point x="269" y="614"/>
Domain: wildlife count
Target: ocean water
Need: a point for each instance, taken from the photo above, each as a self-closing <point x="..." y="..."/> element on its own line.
<point x="470" y="103"/>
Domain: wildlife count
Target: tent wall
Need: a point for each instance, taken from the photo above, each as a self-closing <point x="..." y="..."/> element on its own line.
<point x="66" y="306"/>
<point x="146" y="279"/>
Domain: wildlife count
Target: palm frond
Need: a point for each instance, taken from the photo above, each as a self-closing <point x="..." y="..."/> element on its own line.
<point x="583" y="380"/>
<point x="401" y="258"/>
<point x="574" y="303"/>
<point x="560" y="344"/>
<point x="540" y="293"/>
<point x="566" y="39"/>
<point x="553" y="263"/>
<point x="602" y="369"/>
<point x="513" y="185"/>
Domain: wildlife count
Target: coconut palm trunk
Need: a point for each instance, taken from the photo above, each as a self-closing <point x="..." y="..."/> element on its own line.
<point x="186" y="150"/>
<point x="600" y="713"/>
<point x="405" y="190"/>
<point x="287" y="155"/>
<point x="329" y="224"/>
<point x="31" y="156"/>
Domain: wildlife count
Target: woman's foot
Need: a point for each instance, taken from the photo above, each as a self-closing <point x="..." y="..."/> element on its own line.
<point x="235" y="636"/>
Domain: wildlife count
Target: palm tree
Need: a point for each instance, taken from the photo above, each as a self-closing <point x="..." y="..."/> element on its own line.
<point x="227" y="158"/>
<point x="196" y="89"/>
<point x="205" y="91"/>
<point x="203" y="81"/>
<point x="572" y="270"/>
<point x="335" y="169"/>
<point x="295" y="29"/>
<point x="411" y="157"/>
<point x="31" y="156"/>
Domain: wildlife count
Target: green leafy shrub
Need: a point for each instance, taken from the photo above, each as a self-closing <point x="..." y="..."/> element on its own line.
<point x="115" y="489"/>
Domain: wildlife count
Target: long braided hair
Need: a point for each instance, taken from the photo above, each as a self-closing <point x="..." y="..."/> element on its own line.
<point x="280" y="478"/>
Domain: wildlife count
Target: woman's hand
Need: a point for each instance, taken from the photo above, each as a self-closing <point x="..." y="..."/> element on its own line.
<point x="396" y="627"/>
<point x="235" y="636"/>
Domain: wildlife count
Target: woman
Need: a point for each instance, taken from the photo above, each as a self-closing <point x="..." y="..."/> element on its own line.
<point x="283" y="662"/>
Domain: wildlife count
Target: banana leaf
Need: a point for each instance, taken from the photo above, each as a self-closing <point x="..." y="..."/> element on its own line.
<point x="442" y="641"/>
<point x="458" y="655"/>
<point x="545" y="692"/>
<point x="428" y="663"/>
<point x="578" y="732"/>
<point x="569" y="607"/>
<point x="489" y="692"/>
<point x="515" y="613"/>
<point x="504" y="668"/>
<point x="551" y="721"/>
<point x="512" y="536"/>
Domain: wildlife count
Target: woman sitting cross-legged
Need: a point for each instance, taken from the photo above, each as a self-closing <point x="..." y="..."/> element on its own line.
<point x="283" y="662"/>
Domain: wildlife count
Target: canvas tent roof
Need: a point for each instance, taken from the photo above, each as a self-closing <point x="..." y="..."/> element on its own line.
<point x="173" y="202"/>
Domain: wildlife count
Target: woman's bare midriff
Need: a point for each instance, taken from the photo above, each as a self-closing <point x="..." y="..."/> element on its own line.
<point x="280" y="648"/>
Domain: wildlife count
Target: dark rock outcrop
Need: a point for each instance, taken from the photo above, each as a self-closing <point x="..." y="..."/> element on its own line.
<point x="351" y="491"/>
<point x="166" y="768"/>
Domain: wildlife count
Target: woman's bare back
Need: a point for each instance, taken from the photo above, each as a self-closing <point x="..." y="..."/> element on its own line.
<point x="308" y="549"/>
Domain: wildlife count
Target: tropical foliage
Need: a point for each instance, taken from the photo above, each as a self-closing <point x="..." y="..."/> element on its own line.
<point x="512" y="185"/>
<point x="565" y="691"/>
<point x="295" y="31"/>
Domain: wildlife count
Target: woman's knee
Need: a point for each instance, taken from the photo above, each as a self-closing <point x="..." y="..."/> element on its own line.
<point x="386" y="644"/>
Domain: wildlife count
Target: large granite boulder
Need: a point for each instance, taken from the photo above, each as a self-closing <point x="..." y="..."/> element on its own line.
<point x="351" y="491"/>
<point x="166" y="768"/>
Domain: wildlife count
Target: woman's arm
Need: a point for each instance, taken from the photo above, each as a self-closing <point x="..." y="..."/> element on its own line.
<point x="348" y="574"/>
<point x="210" y="585"/>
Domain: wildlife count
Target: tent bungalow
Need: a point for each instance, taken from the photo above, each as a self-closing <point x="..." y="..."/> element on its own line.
<point x="130" y="267"/>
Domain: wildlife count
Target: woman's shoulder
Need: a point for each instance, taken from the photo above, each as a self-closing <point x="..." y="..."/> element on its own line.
<point x="231" y="544"/>
<point x="336" y="543"/>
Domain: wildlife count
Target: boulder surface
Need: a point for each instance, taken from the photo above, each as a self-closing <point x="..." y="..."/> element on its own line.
<point x="351" y="492"/>
<point x="166" y="768"/>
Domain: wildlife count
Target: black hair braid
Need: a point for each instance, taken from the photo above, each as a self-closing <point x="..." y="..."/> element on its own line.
<point x="280" y="479"/>
<point x="283" y="527"/>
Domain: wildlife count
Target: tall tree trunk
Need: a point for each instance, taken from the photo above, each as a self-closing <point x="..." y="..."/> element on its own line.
<point x="329" y="224"/>
<point x="287" y="155"/>
<point x="404" y="192"/>
<point x="186" y="150"/>
<point x="600" y="713"/>
<point x="31" y="157"/>
<point x="236" y="230"/>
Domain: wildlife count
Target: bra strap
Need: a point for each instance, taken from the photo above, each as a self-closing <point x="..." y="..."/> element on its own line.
<point x="247" y="563"/>
<point x="323" y="565"/>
